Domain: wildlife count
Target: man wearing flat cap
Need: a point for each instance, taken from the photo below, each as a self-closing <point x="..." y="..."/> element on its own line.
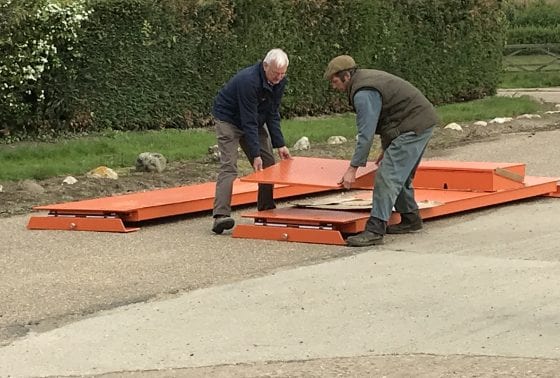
<point x="401" y="115"/>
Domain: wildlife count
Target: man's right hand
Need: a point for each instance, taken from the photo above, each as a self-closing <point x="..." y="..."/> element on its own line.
<point x="257" y="164"/>
<point x="349" y="178"/>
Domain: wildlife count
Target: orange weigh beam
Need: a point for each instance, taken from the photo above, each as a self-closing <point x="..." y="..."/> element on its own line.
<point x="99" y="214"/>
<point x="351" y="222"/>
<point x="168" y="202"/>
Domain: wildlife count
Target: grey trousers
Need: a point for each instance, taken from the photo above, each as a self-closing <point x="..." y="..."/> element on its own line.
<point x="393" y="179"/>
<point x="230" y="137"/>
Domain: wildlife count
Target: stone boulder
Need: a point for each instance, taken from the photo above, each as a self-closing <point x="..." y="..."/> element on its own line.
<point x="302" y="144"/>
<point x="151" y="162"/>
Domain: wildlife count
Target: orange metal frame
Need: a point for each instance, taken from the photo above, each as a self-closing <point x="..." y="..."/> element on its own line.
<point x="456" y="186"/>
<point x="112" y="214"/>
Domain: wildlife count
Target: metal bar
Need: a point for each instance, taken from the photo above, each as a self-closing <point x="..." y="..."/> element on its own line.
<point x="291" y="234"/>
<point x="78" y="223"/>
<point x="528" y="46"/>
<point x="555" y="194"/>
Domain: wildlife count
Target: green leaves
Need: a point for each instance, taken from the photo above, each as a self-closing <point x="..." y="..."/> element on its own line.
<point x="39" y="39"/>
<point x="153" y="64"/>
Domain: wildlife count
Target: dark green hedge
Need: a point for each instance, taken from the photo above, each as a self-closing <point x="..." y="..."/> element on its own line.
<point x="159" y="63"/>
<point x="534" y="22"/>
<point x="533" y="35"/>
<point x="533" y="13"/>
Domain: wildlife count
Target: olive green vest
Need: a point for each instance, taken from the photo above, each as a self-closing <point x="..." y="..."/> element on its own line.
<point x="404" y="108"/>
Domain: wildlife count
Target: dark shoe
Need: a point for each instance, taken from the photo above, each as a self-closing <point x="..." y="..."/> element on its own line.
<point x="410" y="222"/>
<point x="365" y="239"/>
<point x="222" y="223"/>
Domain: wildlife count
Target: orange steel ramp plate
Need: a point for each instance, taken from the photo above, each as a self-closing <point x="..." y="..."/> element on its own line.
<point x="302" y="225"/>
<point x="436" y="174"/>
<point x="472" y="176"/>
<point x="310" y="171"/>
<point x="110" y="213"/>
<point x="328" y="226"/>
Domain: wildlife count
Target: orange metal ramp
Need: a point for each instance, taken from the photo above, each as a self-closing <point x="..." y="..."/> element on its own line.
<point x="453" y="186"/>
<point x="436" y="174"/>
<point x="112" y="213"/>
<point x="311" y="171"/>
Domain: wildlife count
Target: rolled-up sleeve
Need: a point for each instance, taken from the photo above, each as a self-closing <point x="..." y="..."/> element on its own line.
<point x="368" y="104"/>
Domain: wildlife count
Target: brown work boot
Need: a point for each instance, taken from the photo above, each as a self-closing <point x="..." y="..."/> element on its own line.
<point x="365" y="239"/>
<point x="410" y="222"/>
<point x="221" y="223"/>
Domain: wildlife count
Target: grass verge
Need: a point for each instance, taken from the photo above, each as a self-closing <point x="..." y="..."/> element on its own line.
<point x="120" y="149"/>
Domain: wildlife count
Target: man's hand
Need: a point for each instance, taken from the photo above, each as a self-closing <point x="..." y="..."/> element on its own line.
<point x="284" y="153"/>
<point x="349" y="178"/>
<point x="257" y="164"/>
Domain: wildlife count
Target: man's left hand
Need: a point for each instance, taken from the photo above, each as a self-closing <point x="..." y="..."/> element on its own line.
<point x="284" y="153"/>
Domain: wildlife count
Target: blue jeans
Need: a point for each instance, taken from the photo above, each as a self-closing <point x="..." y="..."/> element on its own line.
<point x="393" y="179"/>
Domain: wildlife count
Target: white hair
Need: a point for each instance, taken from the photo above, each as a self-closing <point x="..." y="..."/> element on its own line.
<point x="276" y="57"/>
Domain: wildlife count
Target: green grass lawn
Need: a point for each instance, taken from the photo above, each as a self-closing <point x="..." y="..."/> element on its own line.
<point x="520" y="71"/>
<point x="120" y="149"/>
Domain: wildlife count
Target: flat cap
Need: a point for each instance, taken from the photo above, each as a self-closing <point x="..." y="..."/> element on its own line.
<point x="339" y="63"/>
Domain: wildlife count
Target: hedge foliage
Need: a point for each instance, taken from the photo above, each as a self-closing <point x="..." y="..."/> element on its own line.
<point x="534" y="35"/>
<point x="148" y="64"/>
<point x="534" y="22"/>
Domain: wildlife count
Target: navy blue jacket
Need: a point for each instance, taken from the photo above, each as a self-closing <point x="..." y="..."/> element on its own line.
<point x="248" y="102"/>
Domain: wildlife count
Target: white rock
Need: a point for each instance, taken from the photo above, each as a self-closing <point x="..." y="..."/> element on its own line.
<point x="214" y="152"/>
<point x="557" y="106"/>
<point x="453" y="126"/>
<point x="302" y="144"/>
<point x="150" y="162"/>
<point x="337" y="139"/>
<point x="528" y="116"/>
<point x="552" y="112"/>
<point x="501" y="120"/>
<point x="1" y="188"/>
<point x="481" y="123"/>
<point x="103" y="172"/>
<point x="69" y="180"/>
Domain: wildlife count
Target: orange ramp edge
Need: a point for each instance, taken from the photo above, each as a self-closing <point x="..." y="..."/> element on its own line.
<point x="78" y="223"/>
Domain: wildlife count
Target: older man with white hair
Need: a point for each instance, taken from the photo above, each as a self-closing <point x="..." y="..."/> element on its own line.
<point x="246" y="113"/>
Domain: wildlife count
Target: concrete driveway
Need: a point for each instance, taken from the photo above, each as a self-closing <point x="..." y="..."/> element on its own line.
<point x="551" y="94"/>
<point x="475" y="294"/>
